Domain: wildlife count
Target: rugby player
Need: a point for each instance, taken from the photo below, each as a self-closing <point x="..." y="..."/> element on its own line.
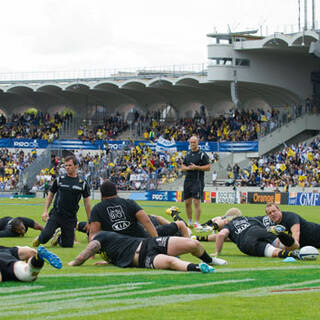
<point x="304" y="232"/>
<point x="17" y="227"/>
<point x="153" y="253"/>
<point x="194" y="164"/>
<point x="62" y="219"/>
<point x="119" y="215"/>
<point x="24" y="263"/>
<point x="252" y="238"/>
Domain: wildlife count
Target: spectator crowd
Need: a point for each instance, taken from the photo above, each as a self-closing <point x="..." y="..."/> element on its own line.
<point x="34" y="125"/>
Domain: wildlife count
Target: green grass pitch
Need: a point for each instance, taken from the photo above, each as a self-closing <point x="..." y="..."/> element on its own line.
<point x="247" y="288"/>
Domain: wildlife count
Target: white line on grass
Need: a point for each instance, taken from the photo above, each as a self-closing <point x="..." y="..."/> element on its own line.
<point x="21" y="288"/>
<point x="88" y="301"/>
<point x="157" y="272"/>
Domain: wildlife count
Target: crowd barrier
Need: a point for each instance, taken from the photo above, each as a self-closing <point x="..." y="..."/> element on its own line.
<point x="235" y="196"/>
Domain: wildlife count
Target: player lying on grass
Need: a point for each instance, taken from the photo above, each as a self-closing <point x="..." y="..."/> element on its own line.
<point x="17" y="227"/>
<point x="153" y="253"/>
<point x="205" y="232"/>
<point x="24" y="263"/>
<point x="252" y="238"/>
<point x="304" y="232"/>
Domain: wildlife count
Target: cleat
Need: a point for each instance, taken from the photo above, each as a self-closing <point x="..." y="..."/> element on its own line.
<point x="205" y="268"/>
<point x="218" y="262"/>
<point x="296" y="254"/>
<point x="55" y="238"/>
<point x="36" y="242"/>
<point x="50" y="257"/>
<point x="276" y="229"/>
<point x="196" y="225"/>
<point x="174" y="213"/>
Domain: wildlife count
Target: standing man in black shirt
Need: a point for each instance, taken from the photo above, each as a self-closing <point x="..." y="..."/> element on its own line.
<point x="119" y="215"/>
<point x="304" y="232"/>
<point x="252" y="238"/>
<point x="17" y="227"/>
<point x="153" y="253"/>
<point x="194" y="164"/>
<point x="67" y="190"/>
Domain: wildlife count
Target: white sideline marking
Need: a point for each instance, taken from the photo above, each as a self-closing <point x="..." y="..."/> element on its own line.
<point x="21" y="288"/>
<point x="31" y="297"/>
<point x="89" y="301"/>
<point x="157" y="272"/>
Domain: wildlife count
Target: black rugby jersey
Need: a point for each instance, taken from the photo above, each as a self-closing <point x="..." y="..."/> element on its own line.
<point x="199" y="158"/>
<point x="68" y="192"/>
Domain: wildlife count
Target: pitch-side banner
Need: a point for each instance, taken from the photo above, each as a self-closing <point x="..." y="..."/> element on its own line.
<point x="154" y="196"/>
<point x="227" y="197"/>
<point x="250" y="146"/>
<point x="304" y="199"/>
<point x="265" y="197"/>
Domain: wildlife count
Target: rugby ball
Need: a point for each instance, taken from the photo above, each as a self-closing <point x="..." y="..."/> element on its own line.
<point x="308" y="253"/>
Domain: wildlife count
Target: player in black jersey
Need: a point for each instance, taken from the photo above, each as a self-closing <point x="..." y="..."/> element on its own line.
<point x="194" y="164"/>
<point x="67" y="191"/>
<point x="17" y="227"/>
<point x="304" y="232"/>
<point x="13" y="265"/>
<point x="154" y="253"/>
<point x="252" y="238"/>
<point x="119" y="215"/>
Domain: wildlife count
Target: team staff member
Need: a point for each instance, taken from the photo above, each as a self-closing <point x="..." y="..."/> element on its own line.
<point x="153" y="253"/>
<point x="304" y="232"/>
<point x="119" y="215"/>
<point x="252" y="238"/>
<point x="67" y="190"/>
<point x="194" y="164"/>
<point x="17" y="227"/>
<point x="14" y="268"/>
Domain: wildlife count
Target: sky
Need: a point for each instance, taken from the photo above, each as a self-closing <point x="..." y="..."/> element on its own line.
<point x="69" y="35"/>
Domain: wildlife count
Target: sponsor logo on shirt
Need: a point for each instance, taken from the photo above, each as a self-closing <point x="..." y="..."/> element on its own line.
<point x="121" y="225"/>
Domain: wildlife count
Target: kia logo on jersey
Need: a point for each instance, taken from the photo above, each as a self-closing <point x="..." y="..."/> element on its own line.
<point x="121" y="225"/>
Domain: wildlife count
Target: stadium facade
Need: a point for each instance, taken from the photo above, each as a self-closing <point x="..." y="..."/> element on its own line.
<point x="244" y="70"/>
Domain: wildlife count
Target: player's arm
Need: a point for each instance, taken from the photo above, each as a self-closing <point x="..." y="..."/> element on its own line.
<point x="37" y="226"/>
<point x="87" y="206"/>
<point x="92" y="248"/>
<point x="95" y="227"/>
<point x="185" y="167"/>
<point x="205" y="167"/>
<point x="295" y="232"/>
<point x="6" y="234"/>
<point x="162" y="220"/>
<point x="143" y="218"/>
<point x="220" y="237"/>
<point x="47" y="204"/>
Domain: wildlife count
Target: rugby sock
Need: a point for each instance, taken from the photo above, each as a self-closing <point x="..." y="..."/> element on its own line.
<point x="193" y="267"/>
<point x="205" y="257"/>
<point x="211" y="224"/>
<point x="36" y="262"/>
<point x="202" y="238"/>
<point x="286" y="239"/>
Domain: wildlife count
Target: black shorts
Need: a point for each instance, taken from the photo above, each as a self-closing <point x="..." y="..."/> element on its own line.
<point x="11" y="250"/>
<point x="170" y="229"/>
<point x="81" y="226"/>
<point x="193" y="189"/>
<point x="7" y="261"/>
<point x="255" y="241"/>
<point x="150" y="248"/>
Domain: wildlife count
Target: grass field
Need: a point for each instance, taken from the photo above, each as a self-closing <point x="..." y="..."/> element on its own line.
<point x="247" y="288"/>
